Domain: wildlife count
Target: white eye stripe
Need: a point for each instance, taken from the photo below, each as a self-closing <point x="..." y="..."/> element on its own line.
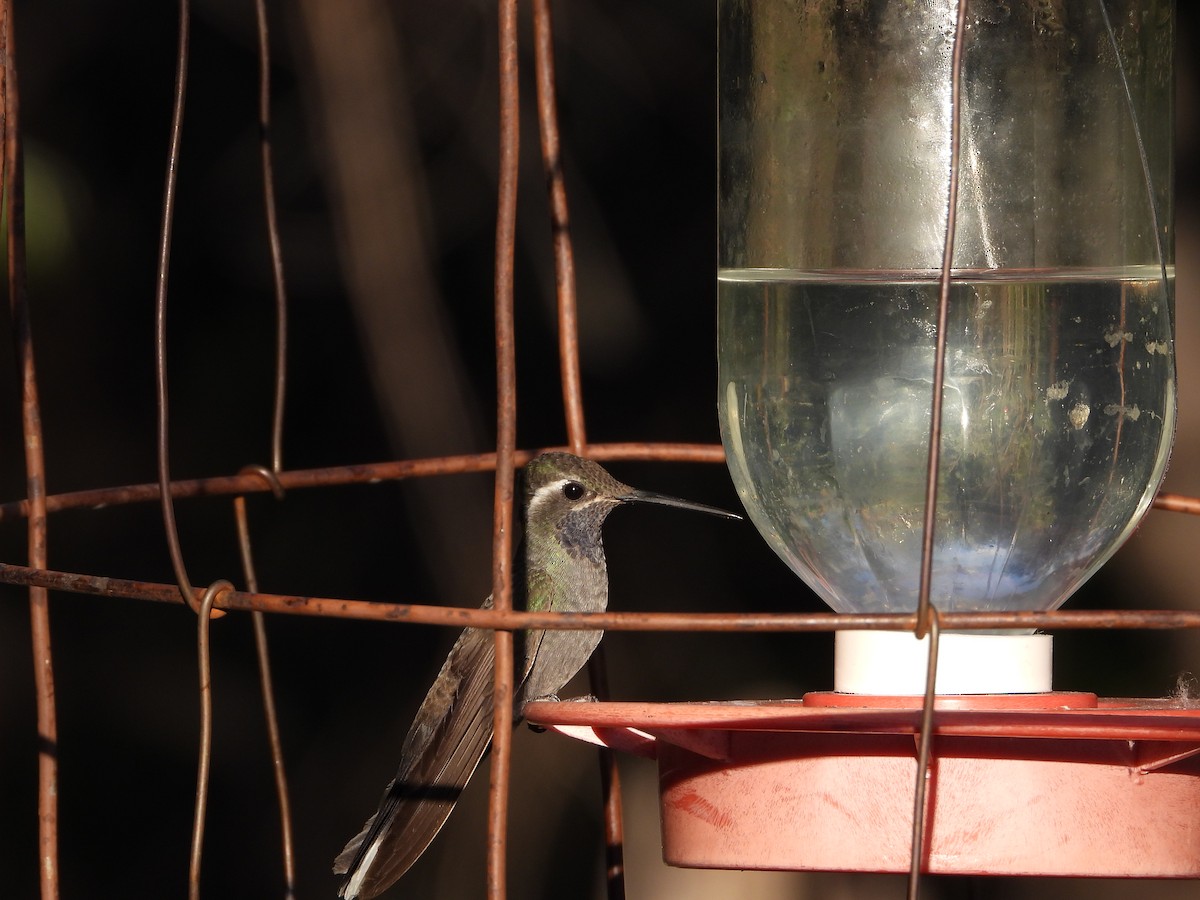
<point x="555" y="489"/>
<point x="545" y="491"/>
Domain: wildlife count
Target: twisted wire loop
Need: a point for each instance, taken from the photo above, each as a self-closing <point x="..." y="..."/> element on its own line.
<point x="204" y="766"/>
<point x="270" y="477"/>
<point x="266" y="682"/>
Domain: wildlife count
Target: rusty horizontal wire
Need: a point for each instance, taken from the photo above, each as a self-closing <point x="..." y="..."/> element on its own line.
<point x="399" y="470"/>
<point x="475" y="617"/>
<point x="1178" y="503"/>
<point x="357" y="473"/>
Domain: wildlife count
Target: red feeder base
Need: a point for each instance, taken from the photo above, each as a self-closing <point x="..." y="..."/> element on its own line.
<point x="1041" y="784"/>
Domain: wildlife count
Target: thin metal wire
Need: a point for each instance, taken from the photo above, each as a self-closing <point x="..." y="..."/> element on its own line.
<point x="924" y="749"/>
<point x="1178" y="503"/>
<point x="266" y="684"/>
<point x="506" y="442"/>
<point x="572" y="392"/>
<point x="1143" y="158"/>
<point x="396" y="470"/>
<point x="927" y="614"/>
<point x="939" y="355"/>
<point x="463" y="617"/>
<point x="287" y="838"/>
<point x="271" y="476"/>
<point x="268" y="171"/>
<point x="13" y="181"/>
<point x="356" y="473"/>
<point x="610" y="788"/>
<point x="160" y="308"/>
<point x="204" y="765"/>
<point x="560" y="226"/>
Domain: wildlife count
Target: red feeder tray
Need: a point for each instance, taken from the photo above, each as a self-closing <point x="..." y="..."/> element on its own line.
<point x="1030" y="784"/>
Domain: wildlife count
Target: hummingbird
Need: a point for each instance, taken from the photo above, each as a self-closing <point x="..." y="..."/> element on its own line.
<point x="567" y="499"/>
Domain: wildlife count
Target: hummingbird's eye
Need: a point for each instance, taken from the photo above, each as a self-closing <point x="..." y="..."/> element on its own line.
<point x="572" y="490"/>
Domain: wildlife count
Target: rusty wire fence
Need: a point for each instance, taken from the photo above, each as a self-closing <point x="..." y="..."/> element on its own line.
<point x="526" y="116"/>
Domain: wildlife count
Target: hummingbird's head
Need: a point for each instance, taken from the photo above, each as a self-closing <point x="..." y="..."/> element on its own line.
<point x="571" y="496"/>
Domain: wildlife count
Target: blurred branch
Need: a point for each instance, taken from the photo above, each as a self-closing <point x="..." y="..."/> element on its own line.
<point x="375" y="181"/>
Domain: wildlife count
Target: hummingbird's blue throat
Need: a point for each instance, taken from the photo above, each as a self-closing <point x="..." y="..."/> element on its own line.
<point x="579" y="533"/>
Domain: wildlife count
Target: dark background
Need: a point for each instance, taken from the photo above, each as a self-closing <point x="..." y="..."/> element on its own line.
<point x="385" y="126"/>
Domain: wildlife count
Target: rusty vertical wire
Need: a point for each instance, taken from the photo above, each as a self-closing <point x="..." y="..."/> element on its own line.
<point x="927" y="621"/>
<point x="939" y="355"/>
<point x="287" y="839"/>
<point x="258" y="621"/>
<point x="268" y="171"/>
<point x="268" y="692"/>
<point x="35" y="471"/>
<point x="160" y="310"/>
<point x="568" y="349"/>
<point x="564" y="256"/>
<point x="506" y="438"/>
<point x="203" y="607"/>
<point x="204" y="662"/>
<point x="924" y="744"/>
<point x="1155" y="212"/>
<point x="1155" y="217"/>
<point x="610" y="790"/>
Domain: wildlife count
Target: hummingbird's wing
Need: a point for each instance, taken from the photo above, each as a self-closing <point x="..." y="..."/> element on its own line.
<point x="449" y="736"/>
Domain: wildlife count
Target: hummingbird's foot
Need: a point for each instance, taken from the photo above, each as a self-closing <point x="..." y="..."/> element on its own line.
<point x="550" y="698"/>
<point x="554" y="698"/>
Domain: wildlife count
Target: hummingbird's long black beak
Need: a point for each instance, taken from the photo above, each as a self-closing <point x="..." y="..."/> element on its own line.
<point x="666" y="500"/>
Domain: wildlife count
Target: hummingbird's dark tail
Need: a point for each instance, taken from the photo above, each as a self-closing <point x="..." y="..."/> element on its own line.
<point x="451" y="733"/>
